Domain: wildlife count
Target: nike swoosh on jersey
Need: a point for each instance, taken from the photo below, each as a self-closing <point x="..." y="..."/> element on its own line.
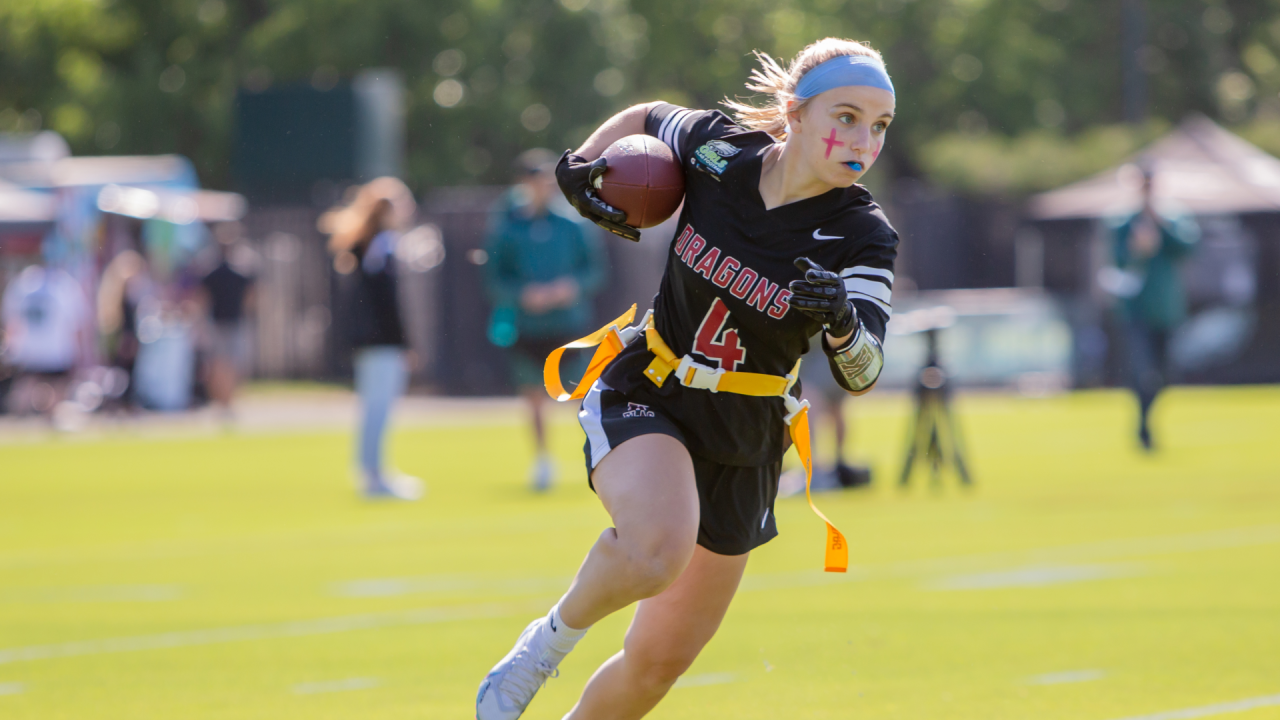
<point x="817" y="235"/>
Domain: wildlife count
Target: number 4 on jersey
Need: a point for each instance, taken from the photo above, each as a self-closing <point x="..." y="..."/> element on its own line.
<point x="725" y="351"/>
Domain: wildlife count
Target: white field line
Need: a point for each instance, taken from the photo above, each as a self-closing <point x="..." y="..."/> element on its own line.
<point x="689" y="681"/>
<point x="1211" y="710"/>
<point x="1161" y="545"/>
<point x="1104" y="550"/>
<point x="12" y="688"/>
<point x="299" y="628"/>
<point x="1032" y="576"/>
<point x="447" y="530"/>
<point x="801" y="578"/>
<point x="434" y="584"/>
<point x="1067" y="677"/>
<point x="1025" y="560"/>
<point x="329" y="686"/>
<point x="1222" y="539"/>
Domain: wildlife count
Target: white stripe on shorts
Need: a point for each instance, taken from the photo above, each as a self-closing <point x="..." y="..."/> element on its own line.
<point x="589" y="418"/>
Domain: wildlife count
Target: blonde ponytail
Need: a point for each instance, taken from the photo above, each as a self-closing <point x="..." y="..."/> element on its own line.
<point x="780" y="85"/>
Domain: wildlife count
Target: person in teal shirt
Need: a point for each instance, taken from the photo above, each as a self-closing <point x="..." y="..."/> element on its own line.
<point x="544" y="268"/>
<point x="1149" y="247"/>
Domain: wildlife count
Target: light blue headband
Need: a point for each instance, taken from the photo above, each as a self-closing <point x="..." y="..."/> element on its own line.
<point x="843" y="71"/>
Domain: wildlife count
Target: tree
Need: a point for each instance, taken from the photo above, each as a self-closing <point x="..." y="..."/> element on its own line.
<point x="487" y="78"/>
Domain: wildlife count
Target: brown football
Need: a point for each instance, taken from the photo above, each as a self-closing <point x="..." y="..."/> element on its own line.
<point x="643" y="180"/>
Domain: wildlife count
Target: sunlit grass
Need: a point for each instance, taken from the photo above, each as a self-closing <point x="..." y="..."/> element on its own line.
<point x="1079" y="580"/>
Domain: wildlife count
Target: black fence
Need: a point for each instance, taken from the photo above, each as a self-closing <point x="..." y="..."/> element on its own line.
<point x="443" y="300"/>
<point x="947" y="242"/>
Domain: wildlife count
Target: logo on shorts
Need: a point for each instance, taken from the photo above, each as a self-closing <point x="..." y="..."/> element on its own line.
<point x="635" y="410"/>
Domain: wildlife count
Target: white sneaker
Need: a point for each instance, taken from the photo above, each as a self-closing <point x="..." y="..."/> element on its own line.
<point x="792" y="481"/>
<point x="406" y="487"/>
<point x="510" y="686"/>
<point x="394" y="486"/>
<point x="543" y="474"/>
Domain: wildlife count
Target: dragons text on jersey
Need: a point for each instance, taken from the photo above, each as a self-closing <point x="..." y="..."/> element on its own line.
<point x="727" y="272"/>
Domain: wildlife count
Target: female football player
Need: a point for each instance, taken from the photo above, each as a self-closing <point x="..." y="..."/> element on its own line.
<point x="776" y="242"/>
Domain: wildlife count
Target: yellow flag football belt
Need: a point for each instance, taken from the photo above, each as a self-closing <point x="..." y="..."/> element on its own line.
<point x="612" y="338"/>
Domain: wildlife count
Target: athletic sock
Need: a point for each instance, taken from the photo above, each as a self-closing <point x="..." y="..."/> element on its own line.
<point x="557" y="637"/>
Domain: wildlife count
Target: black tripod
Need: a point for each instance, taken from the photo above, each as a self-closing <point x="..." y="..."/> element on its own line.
<point x="933" y="435"/>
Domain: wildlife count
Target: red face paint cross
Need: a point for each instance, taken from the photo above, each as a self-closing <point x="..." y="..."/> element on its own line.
<point x="832" y="142"/>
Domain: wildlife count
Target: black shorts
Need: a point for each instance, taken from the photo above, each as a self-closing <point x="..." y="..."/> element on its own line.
<point x="736" y="502"/>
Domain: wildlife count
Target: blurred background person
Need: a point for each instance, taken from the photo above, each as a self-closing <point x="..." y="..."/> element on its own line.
<point x="1148" y="248"/>
<point x="543" y="271"/>
<point x="228" y="297"/>
<point x="46" y="335"/>
<point x="126" y="284"/>
<point x="363" y="241"/>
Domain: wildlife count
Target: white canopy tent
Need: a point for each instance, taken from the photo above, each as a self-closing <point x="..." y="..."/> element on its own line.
<point x="176" y="206"/>
<point x="1199" y="167"/>
<point x="21" y="206"/>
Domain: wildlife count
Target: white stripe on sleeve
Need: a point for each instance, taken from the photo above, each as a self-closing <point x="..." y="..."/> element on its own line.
<point x="864" y="270"/>
<point x="666" y="123"/>
<point x="669" y="133"/>
<point x="870" y="288"/>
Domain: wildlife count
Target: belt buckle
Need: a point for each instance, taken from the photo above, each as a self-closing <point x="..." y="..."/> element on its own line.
<point x="696" y="375"/>
<point x="793" y="407"/>
<point x="629" y="333"/>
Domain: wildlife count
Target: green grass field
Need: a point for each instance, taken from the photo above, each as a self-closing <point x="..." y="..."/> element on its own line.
<point x="237" y="576"/>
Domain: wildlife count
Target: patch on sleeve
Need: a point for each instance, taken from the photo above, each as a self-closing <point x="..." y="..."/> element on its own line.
<point x="713" y="157"/>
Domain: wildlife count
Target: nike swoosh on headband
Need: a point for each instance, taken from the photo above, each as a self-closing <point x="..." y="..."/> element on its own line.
<point x="817" y="235"/>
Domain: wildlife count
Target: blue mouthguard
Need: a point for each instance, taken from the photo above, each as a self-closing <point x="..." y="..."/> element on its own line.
<point x="843" y="71"/>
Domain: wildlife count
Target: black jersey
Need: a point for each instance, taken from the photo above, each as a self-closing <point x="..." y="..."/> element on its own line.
<point x="724" y="296"/>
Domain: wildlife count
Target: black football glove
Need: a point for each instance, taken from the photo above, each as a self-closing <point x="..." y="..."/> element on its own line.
<point x="578" y="181"/>
<point x="821" y="295"/>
